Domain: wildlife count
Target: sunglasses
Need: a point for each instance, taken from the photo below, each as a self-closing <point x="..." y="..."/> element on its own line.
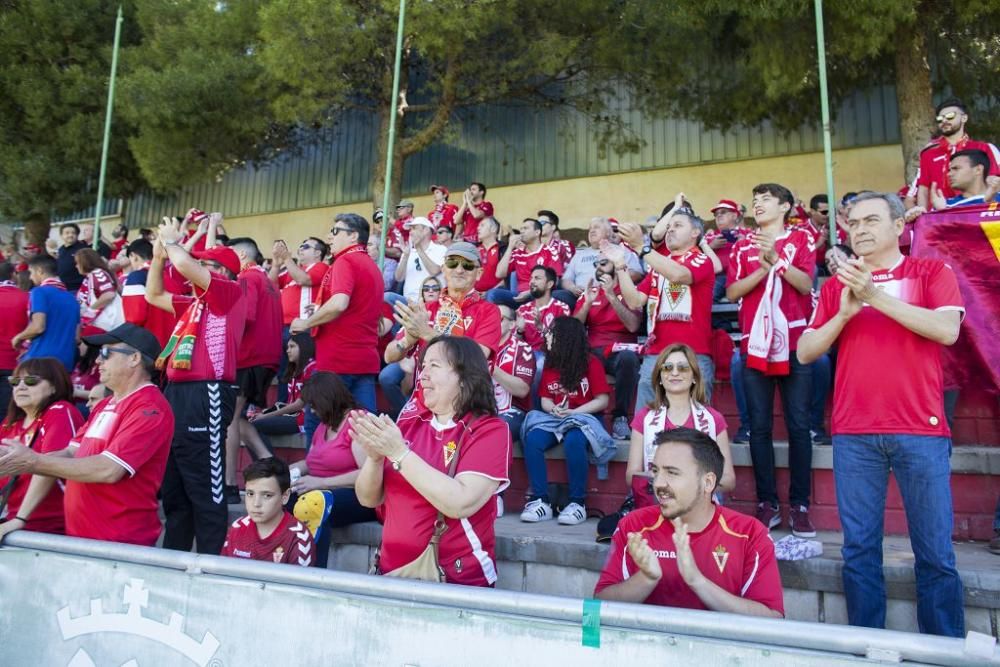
<point x="455" y="262"/>
<point x="951" y="115"/>
<point x="337" y="230"/>
<point x="29" y="380"/>
<point x="106" y="352"/>
<point x="306" y="246"/>
<point x="681" y="368"/>
<point x="432" y="288"/>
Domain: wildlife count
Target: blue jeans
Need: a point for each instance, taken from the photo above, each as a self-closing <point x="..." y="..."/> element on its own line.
<point x="644" y="392"/>
<point x="861" y="465"/>
<point x="280" y="425"/>
<point x="996" y="516"/>
<point x="514" y="418"/>
<point x="739" y="392"/>
<point x="392" y="298"/>
<point x="536" y="443"/>
<point x="362" y="387"/>
<point x="795" y="395"/>
<point x="502" y="296"/>
<point x="821" y="376"/>
<point x="391" y="379"/>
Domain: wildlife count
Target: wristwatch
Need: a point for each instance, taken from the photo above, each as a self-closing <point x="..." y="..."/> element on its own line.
<point x="397" y="462"/>
<point x="645" y="250"/>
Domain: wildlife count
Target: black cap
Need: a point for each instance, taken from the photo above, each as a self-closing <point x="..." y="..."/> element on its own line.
<point x="132" y="335"/>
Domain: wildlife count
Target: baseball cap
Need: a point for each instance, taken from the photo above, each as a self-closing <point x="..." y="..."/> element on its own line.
<point x="465" y="250"/>
<point x="378" y="215"/>
<point x="726" y="205"/>
<point x="404" y="202"/>
<point x="134" y="336"/>
<point x="443" y="189"/>
<point x="419" y="220"/>
<point x="225" y="256"/>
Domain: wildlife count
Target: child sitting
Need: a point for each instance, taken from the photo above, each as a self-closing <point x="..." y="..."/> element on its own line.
<point x="268" y="532"/>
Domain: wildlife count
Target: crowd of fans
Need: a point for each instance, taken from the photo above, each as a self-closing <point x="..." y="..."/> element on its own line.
<point x="137" y="371"/>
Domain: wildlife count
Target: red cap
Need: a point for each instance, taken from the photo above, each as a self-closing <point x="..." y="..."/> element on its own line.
<point x="443" y="189"/>
<point x="197" y="216"/>
<point x="227" y="257"/>
<point x="726" y="205"/>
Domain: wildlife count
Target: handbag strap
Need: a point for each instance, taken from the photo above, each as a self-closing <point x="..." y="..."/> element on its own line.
<point x="439" y="524"/>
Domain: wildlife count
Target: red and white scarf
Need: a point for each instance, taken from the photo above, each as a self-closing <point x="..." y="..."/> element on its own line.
<point x="767" y="345"/>
<point x="655" y="421"/>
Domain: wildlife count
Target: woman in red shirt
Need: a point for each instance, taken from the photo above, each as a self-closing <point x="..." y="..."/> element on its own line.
<point x="100" y="305"/>
<point x="574" y="390"/>
<point x="284" y="418"/>
<point x="40" y="416"/>
<point x="325" y="479"/>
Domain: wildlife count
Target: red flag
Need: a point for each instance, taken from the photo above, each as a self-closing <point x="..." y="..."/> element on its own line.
<point x="967" y="239"/>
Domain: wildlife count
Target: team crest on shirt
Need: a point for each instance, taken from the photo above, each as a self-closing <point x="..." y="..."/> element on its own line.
<point x="449" y="452"/>
<point x="675" y="293"/>
<point x="721" y="557"/>
<point x="278" y="554"/>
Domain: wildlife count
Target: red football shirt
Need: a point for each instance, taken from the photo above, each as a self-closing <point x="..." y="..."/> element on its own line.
<point x="682" y="313"/>
<point x="796" y="307"/>
<point x="470" y="224"/>
<point x="443" y="214"/>
<point x="734" y="552"/>
<point x="295" y="388"/>
<point x="488" y="259"/>
<point x="349" y="344"/>
<point x="480" y="321"/>
<point x="591" y="386"/>
<point x="13" y="319"/>
<point x="260" y="344"/>
<point x="134" y="432"/>
<point x="935" y="159"/>
<point x="725" y="251"/>
<point x="294" y="297"/>
<point x="221" y="325"/>
<point x="289" y="543"/>
<point x="516" y="359"/>
<point x="604" y="327"/>
<point x="563" y="251"/>
<point x="49" y="433"/>
<point x="466" y="550"/>
<point x="889" y="379"/>
<point x="522" y="263"/>
<point x="538" y="320"/>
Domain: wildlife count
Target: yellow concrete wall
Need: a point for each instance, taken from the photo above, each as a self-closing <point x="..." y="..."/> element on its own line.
<point x="629" y="196"/>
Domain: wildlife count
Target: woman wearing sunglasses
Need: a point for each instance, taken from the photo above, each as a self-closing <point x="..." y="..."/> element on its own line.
<point x="678" y="401"/>
<point x="42" y="417"/>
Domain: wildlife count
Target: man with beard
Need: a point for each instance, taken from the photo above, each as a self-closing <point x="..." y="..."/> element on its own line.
<point x="951" y="118"/>
<point x="688" y="552"/>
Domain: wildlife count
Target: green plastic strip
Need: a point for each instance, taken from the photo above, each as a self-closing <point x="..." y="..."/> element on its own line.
<point x="592" y="623"/>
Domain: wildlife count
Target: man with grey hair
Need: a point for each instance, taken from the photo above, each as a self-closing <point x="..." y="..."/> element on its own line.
<point x="581" y="269"/>
<point x="889" y="315"/>
<point x="676" y="293"/>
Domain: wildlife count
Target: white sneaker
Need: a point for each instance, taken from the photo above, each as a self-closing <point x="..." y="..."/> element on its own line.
<point x="537" y="510"/>
<point x="573" y="514"/>
<point x="499" y="506"/>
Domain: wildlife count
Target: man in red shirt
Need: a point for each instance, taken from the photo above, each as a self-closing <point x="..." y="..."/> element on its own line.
<point x="728" y="230"/>
<point x="524" y="252"/>
<point x="258" y="355"/>
<point x="489" y="255"/>
<point x="200" y="363"/>
<point x="398" y="236"/>
<point x="935" y="157"/>
<point x="535" y="317"/>
<point x="562" y="250"/>
<point x="136" y="310"/>
<point x="473" y="209"/>
<point x="269" y="533"/>
<point x="114" y="465"/>
<point x="611" y="331"/>
<point x="13" y="320"/>
<point x="676" y="292"/>
<point x="349" y="306"/>
<point x="771" y="275"/>
<point x="443" y="213"/>
<point x="297" y="282"/>
<point x="687" y="551"/>
<point x="889" y="316"/>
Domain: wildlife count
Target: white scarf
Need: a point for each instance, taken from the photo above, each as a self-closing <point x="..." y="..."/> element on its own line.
<point x="767" y="347"/>
<point x="655" y="421"/>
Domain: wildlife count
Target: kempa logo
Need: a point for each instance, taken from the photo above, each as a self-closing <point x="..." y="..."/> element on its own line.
<point x="132" y="622"/>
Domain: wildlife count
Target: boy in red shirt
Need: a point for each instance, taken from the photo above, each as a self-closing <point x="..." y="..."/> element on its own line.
<point x="268" y="532"/>
<point x="686" y="551"/>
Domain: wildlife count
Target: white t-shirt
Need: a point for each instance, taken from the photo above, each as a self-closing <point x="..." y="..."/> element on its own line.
<point x="416" y="272"/>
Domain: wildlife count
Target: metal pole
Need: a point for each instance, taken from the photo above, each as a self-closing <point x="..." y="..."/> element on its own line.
<point x="107" y="131"/>
<point x="825" y="107"/>
<point x="392" y="133"/>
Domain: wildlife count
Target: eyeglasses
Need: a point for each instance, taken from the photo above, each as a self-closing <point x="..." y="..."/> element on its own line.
<point x="337" y="230"/>
<point x="105" y="352"/>
<point x="681" y="368"/>
<point x="601" y="262"/>
<point x="455" y="262"/>
<point x="951" y="115"/>
<point x="306" y="246"/>
<point x="432" y="288"/>
<point x="29" y="380"/>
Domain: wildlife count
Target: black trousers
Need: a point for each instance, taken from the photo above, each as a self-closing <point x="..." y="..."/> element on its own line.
<point x="193" y="499"/>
